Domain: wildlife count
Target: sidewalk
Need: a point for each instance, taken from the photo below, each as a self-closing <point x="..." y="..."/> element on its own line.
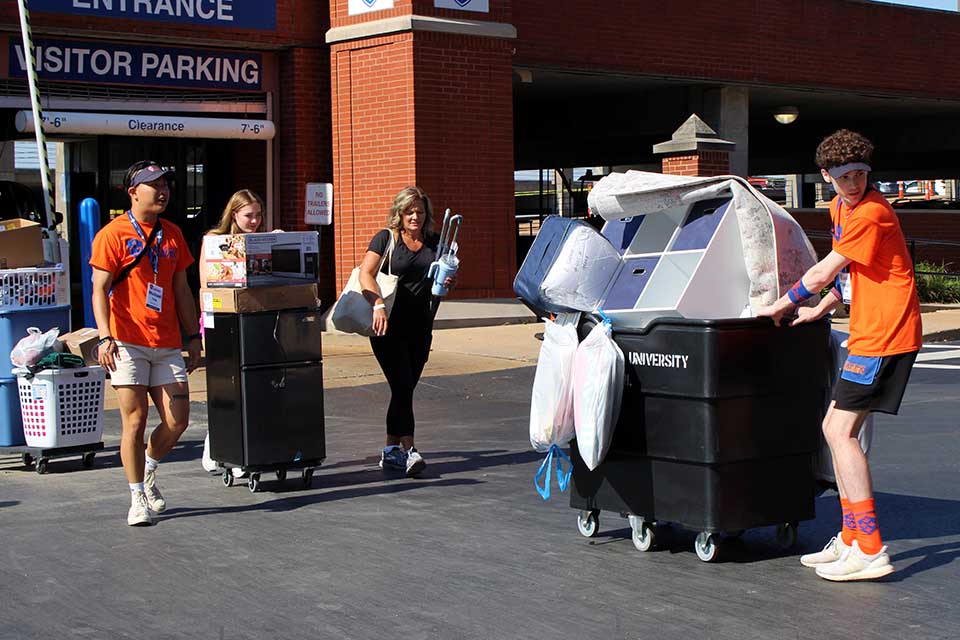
<point x="473" y="337"/>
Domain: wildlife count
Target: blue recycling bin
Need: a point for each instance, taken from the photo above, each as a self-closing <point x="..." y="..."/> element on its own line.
<point x="13" y="327"/>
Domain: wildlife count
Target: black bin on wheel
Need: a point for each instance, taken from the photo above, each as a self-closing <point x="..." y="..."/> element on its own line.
<point x="718" y="430"/>
<point x="265" y="393"/>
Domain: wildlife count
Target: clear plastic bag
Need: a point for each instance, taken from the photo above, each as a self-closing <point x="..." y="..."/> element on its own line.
<point x="36" y="344"/>
<point x="598" y="371"/>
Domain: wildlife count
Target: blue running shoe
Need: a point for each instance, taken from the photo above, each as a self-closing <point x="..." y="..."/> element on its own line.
<point x="393" y="457"/>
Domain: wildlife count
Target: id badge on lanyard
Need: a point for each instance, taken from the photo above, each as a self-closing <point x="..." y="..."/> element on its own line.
<point x="154" y="300"/>
<point x="844" y="283"/>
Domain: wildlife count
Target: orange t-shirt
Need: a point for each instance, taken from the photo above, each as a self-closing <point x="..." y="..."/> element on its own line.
<point x="884" y="309"/>
<point x="117" y="245"/>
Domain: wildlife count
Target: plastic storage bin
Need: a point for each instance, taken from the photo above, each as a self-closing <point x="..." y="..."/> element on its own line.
<point x="11" y="425"/>
<point x="718" y="429"/>
<point x="14" y="325"/>
<point x="62" y="407"/>
<point x="33" y="288"/>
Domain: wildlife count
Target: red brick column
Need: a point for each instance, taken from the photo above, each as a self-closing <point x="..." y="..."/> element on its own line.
<point x="695" y="150"/>
<point x="433" y="109"/>
<point x="703" y="163"/>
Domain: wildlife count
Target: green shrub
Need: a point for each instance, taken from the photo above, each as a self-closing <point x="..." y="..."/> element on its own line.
<point x="937" y="289"/>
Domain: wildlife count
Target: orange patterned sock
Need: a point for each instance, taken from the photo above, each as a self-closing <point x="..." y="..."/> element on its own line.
<point x="849" y="532"/>
<point x="868" y="531"/>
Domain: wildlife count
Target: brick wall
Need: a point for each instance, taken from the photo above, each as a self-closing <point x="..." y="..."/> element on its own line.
<point x="303" y="145"/>
<point x="701" y="163"/>
<point x="775" y="41"/>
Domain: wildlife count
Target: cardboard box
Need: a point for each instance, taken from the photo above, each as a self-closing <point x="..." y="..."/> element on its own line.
<point x="21" y="244"/>
<point x="261" y="259"/>
<point x="251" y="300"/>
<point x="83" y="343"/>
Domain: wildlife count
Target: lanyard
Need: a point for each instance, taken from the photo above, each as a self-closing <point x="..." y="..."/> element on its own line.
<point x="152" y="253"/>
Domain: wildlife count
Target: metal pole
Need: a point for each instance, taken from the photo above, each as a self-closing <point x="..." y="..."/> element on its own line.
<point x="28" y="56"/>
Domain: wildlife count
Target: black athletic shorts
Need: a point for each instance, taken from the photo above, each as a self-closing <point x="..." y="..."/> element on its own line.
<point x="873" y="383"/>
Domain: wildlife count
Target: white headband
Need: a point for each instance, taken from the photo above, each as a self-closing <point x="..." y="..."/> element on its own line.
<point x="836" y="172"/>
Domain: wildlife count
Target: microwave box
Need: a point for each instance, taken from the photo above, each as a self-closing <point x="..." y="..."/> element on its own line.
<point x="252" y="300"/>
<point x="83" y="343"/>
<point x="21" y="244"/>
<point x="261" y="259"/>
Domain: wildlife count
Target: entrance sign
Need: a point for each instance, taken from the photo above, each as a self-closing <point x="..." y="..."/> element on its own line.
<point x="318" y="207"/>
<point x="117" y="124"/>
<point x="229" y="14"/>
<point x="483" y="6"/>
<point x="133" y="64"/>
<point x="366" y="6"/>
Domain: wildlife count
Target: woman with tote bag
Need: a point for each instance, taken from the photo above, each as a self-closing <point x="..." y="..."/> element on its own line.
<point x="401" y="342"/>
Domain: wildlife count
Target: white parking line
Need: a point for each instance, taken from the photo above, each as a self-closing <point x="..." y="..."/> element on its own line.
<point x="954" y="367"/>
<point x="940" y="355"/>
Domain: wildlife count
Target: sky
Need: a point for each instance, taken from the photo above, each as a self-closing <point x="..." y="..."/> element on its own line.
<point x="948" y="5"/>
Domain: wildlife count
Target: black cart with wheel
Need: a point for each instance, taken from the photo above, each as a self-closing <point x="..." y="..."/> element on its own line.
<point x="39" y="457"/>
<point x="717" y="433"/>
<point x="265" y="394"/>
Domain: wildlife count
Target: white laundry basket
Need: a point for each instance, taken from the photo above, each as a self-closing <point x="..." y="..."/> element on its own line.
<point x="33" y="288"/>
<point x="62" y="407"/>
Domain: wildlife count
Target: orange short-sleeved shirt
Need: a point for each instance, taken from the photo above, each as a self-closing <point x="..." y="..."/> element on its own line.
<point x="884" y="310"/>
<point x="117" y="245"/>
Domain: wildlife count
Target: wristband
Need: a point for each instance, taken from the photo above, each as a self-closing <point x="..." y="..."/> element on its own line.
<point x="798" y="293"/>
<point x="105" y="339"/>
<point x="379" y="306"/>
<point x="195" y="336"/>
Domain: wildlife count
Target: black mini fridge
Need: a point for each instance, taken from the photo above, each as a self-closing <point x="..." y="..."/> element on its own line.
<point x="265" y="392"/>
<point x="718" y="430"/>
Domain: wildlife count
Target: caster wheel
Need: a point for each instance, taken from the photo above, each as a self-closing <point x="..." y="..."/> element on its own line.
<point x="786" y="535"/>
<point x="643" y="534"/>
<point x="254" y="483"/>
<point x="227" y="478"/>
<point x="588" y="523"/>
<point x="706" y="546"/>
<point x="27" y="459"/>
<point x="87" y="460"/>
<point x="307" y="477"/>
<point x="281" y="474"/>
<point x="42" y="466"/>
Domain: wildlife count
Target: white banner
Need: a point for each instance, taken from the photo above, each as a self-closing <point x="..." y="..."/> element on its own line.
<point x="366" y="6"/>
<point x="118" y="124"/>
<point x="482" y="6"/>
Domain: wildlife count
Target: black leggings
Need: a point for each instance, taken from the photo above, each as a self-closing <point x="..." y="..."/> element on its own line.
<point x="402" y="359"/>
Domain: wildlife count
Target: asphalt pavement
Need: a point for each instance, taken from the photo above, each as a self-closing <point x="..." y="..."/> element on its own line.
<point x="467" y="551"/>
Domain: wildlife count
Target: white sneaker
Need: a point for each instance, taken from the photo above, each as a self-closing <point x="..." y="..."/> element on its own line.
<point x="856" y="565"/>
<point x="208" y="463"/>
<point x="139" y="514"/>
<point x="154" y="498"/>
<point x="415" y="462"/>
<point x="831" y="552"/>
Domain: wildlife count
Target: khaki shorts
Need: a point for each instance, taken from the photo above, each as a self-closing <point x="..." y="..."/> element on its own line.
<point x="147" y="367"/>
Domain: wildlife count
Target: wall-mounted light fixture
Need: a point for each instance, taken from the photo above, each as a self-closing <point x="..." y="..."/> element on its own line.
<point x="785" y="115"/>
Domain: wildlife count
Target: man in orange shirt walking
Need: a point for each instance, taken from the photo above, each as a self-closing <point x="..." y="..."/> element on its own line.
<point x="140" y="300"/>
<point x="873" y="273"/>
